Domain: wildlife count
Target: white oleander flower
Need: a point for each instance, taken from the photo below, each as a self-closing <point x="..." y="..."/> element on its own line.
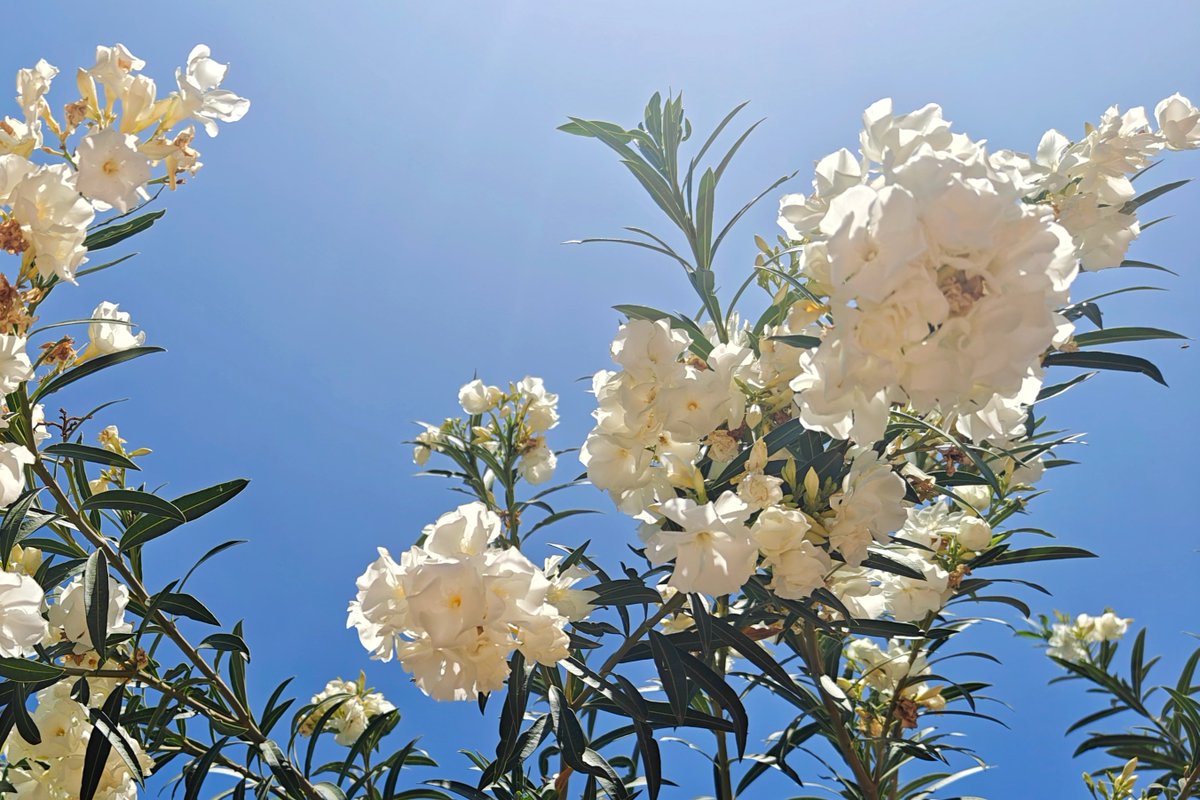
<point x="574" y="604"/>
<point x="974" y="533"/>
<point x="54" y="218"/>
<point x="870" y="506"/>
<point x="464" y="532"/>
<point x="1178" y="122"/>
<point x="356" y="707"/>
<point x="713" y="554"/>
<point x="15" y="367"/>
<point x="111" y="332"/>
<point x="68" y="616"/>
<point x="1066" y="643"/>
<point x="478" y="398"/>
<point x="379" y="612"/>
<point x="1107" y="627"/>
<point x="1102" y="233"/>
<point x="650" y="351"/>
<point x="541" y="412"/>
<point x="883" y="670"/>
<point x="799" y="571"/>
<point x="13" y="460"/>
<point x="200" y="97"/>
<point x="13" y="170"/>
<point x="140" y="107"/>
<point x="22" y="627"/>
<point x="537" y="462"/>
<point x="32" y="85"/>
<point x="913" y="599"/>
<point x="760" y="491"/>
<point x="114" y="70"/>
<point x="859" y="592"/>
<point x="53" y="768"/>
<point x="111" y="169"/>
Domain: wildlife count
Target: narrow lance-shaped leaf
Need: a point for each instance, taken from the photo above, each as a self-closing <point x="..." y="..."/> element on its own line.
<point x="95" y="455"/>
<point x="193" y="505"/>
<point x="90" y="367"/>
<point x="134" y="500"/>
<point x="95" y="601"/>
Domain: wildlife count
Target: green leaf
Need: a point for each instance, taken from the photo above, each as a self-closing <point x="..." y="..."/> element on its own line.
<point x="184" y="605"/>
<point x="115" y="234"/>
<point x="1114" y="335"/>
<point x="574" y="746"/>
<point x="95" y="601"/>
<point x="194" y="777"/>
<point x="104" y="266"/>
<point x="458" y="787"/>
<point x="193" y="505"/>
<point x="26" y="671"/>
<point x="1146" y="197"/>
<point x="720" y="691"/>
<point x="671" y="671"/>
<point x="229" y="642"/>
<point x="704" y="220"/>
<point x="95" y="455"/>
<point x="95" y="758"/>
<point x="1048" y="392"/>
<point x="624" y="592"/>
<point x="134" y="500"/>
<point x="90" y="367"/>
<point x="12" y="530"/>
<point x="1032" y="554"/>
<point x="1093" y="359"/>
<point x="1131" y="263"/>
<point x="797" y="340"/>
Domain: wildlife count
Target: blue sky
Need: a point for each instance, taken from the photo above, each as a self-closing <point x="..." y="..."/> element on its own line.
<point x="388" y="220"/>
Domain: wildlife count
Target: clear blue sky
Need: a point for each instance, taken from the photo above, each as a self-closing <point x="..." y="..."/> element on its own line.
<point x="388" y="217"/>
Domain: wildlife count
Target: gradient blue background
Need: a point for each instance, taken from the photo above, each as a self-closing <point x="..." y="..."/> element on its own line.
<point x="388" y="218"/>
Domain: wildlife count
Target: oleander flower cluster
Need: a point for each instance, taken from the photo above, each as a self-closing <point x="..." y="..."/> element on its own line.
<point x="66" y="174"/>
<point x="508" y="425"/>
<point x="942" y="267"/>
<point x="1075" y="639"/>
<point x="929" y="277"/>
<point x="347" y="708"/>
<point x="453" y="608"/>
<point x="54" y="767"/>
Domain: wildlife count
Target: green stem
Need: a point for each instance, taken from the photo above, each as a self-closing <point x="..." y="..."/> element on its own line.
<point x="722" y="777"/>
<point x="845" y="745"/>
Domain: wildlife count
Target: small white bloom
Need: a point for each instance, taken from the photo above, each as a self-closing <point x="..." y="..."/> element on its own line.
<point x="713" y="554"/>
<point x="1107" y="627"/>
<point x="21" y="624"/>
<point x="199" y="96"/>
<point x="13" y="460"/>
<point x="760" y="491"/>
<point x="542" y="407"/>
<point x="477" y="398"/>
<point x="1178" y="122"/>
<point x="974" y="533"/>
<point x="68" y="617"/>
<point x="111" y="170"/>
<point x="466" y="531"/>
<point x="538" y="462"/>
<point x="111" y="332"/>
<point x="15" y="367"/>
